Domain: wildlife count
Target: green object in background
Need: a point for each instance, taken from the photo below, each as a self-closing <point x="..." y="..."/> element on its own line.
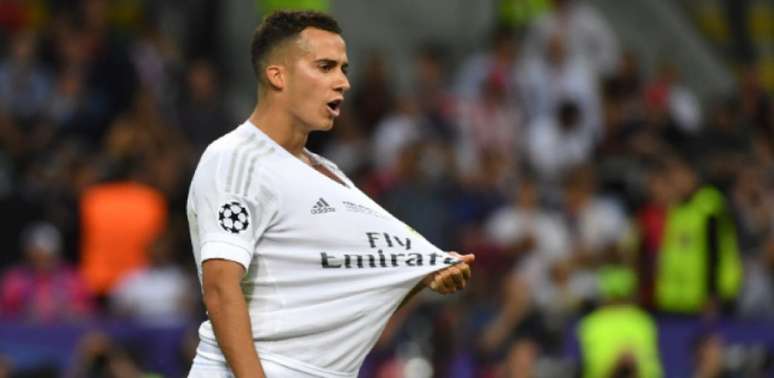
<point x="613" y="333"/>
<point x="268" y="6"/>
<point x="517" y="13"/>
<point x="681" y="279"/>
<point x="617" y="282"/>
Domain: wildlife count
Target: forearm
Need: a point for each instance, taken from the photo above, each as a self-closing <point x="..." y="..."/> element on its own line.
<point x="227" y="311"/>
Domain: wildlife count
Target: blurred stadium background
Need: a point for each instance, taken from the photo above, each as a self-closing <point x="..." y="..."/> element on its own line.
<point x="611" y="164"/>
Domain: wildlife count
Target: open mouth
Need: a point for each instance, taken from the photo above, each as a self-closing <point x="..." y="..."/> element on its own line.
<point x="334" y="107"/>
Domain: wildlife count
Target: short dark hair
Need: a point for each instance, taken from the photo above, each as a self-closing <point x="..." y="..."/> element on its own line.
<point x="280" y="26"/>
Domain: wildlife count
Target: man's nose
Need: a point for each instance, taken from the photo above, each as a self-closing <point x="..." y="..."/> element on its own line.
<point x="342" y="85"/>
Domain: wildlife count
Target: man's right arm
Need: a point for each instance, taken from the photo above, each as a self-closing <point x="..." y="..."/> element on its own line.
<point x="227" y="311"/>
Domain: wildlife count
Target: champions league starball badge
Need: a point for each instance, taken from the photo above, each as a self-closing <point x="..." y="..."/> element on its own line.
<point x="233" y="217"/>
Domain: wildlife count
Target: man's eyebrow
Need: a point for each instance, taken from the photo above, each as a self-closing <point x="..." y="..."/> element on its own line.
<point x="331" y="61"/>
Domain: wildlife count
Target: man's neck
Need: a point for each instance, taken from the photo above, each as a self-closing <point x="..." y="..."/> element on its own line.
<point x="280" y="127"/>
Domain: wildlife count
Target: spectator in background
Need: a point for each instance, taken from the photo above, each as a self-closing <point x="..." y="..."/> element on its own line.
<point x="526" y="229"/>
<point x="558" y="143"/>
<point x="709" y="351"/>
<point x="157" y="62"/>
<point x="475" y="195"/>
<point x="25" y="86"/>
<point x="11" y="139"/>
<point x="598" y="229"/>
<point x="101" y="80"/>
<point x="754" y="101"/>
<point x="142" y="134"/>
<point x="426" y="113"/>
<point x="72" y="109"/>
<point x="489" y="124"/>
<point x="416" y="198"/>
<point x="618" y="339"/>
<point x="539" y="246"/>
<point x="555" y="76"/>
<point x="699" y="267"/>
<point x="728" y="138"/>
<point x="588" y="34"/>
<point x="110" y="70"/>
<point x="627" y="82"/>
<point x="757" y="298"/>
<point x="397" y="130"/>
<point x="350" y="149"/>
<point x="651" y="220"/>
<point x="158" y="293"/>
<point x="99" y="356"/>
<point x="672" y="104"/>
<point x="501" y="57"/>
<point x="752" y="207"/>
<point x="521" y="360"/>
<point x="202" y="114"/>
<point x="120" y="219"/>
<point x="50" y="186"/>
<point x="437" y="103"/>
<point x="623" y="115"/>
<point x="76" y="108"/>
<point x="597" y="222"/>
<point x="373" y="98"/>
<point x="43" y="288"/>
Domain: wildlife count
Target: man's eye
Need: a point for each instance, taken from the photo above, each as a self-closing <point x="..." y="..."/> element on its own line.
<point x="326" y="67"/>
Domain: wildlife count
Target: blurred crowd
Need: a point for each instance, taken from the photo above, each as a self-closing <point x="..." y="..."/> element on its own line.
<point x="579" y="182"/>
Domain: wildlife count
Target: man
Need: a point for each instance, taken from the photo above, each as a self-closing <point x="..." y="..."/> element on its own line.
<point x="300" y="270"/>
<point x="699" y="268"/>
<point x="618" y="339"/>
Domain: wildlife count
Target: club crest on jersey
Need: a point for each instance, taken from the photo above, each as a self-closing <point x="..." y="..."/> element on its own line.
<point x="233" y="217"/>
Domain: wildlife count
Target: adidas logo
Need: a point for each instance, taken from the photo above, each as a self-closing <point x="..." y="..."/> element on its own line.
<point x="322" y="207"/>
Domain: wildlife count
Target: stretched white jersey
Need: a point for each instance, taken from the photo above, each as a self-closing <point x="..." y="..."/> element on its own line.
<point x="325" y="265"/>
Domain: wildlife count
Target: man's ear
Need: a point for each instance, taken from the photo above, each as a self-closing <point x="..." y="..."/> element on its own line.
<point x="276" y="76"/>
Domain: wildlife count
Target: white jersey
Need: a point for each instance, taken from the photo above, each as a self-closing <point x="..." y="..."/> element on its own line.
<point x="325" y="265"/>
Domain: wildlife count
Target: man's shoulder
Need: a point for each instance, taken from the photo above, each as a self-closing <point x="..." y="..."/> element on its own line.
<point x="239" y="142"/>
<point x="231" y="160"/>
<point x="226" y="142"/>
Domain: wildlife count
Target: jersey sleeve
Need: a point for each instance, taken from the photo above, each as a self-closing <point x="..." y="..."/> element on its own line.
<point x="233" y="206"/>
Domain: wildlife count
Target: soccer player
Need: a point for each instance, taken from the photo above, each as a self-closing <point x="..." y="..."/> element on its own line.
<point x="300" y="270"/>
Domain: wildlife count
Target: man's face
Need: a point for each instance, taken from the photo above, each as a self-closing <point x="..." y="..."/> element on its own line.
<point x="317" y="78"/>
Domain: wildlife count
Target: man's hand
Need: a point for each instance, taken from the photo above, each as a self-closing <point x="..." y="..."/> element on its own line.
<point x="453" y="278"/>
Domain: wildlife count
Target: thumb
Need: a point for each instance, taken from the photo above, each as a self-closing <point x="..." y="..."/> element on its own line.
<point x="469" y="258"/>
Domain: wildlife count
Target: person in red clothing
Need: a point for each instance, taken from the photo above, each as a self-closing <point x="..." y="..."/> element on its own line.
<point x="651" y="218"/>
<point x="43" y="288"/>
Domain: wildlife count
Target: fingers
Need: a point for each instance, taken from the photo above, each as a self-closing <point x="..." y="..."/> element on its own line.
<point x="444" y="283"/>
<point x="449" y="284"/>
<point x="467" y="259"/>
<point x="465" y="268"/>
<point x="451" y="279"/>
<point x="457" y="278"/>
<point x="440" y="284"/>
